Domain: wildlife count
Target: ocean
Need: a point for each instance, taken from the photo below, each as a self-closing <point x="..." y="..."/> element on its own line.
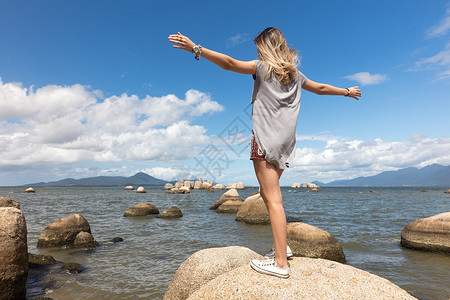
<point x="367" y="224"/>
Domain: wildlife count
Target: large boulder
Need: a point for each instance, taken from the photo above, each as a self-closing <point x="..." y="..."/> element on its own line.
<point x="229" y="195"/>
<point x="203" y="266"/>
<point x="36" y="260"/>
<point x="428" y="234"/>
<point x="179" y="184"/>
<point x="63" y="231"/>
<point x="142" y="209"/>
<point x="172" y="212"/>
<point x="141" y="190"/>
<point x="240" y="186"/>
<point x="310" y="279"/>
<point x="168" y="186"/>
<point x="13" y="254"/>
<point x="207" y="185"/>
<point x="253" y="211"/>
<point x="30" y="190"/>
<point x="230" y="206"/>
<point x="6" y="202"/>
<point x="309" y="241"/>
<point x="198" y="185"/>
<point x="296" y="186"/>
<point x="218" y="187"/>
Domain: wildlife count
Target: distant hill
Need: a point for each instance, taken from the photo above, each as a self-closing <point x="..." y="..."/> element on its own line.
<point x="137" y="179"/>
<point x="432" y="175"/>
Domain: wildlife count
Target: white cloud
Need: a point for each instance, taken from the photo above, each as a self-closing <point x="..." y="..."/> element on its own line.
<point x="67" y="124"/>
<point x="344" y="159"/>
<point x="170" y="173"/>
<point x="238" y="39"/>
<point x="365" y="78"/>
<point x="442" y="28"/>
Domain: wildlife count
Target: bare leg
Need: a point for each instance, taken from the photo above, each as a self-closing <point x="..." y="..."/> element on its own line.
<point x="268" y="177"/>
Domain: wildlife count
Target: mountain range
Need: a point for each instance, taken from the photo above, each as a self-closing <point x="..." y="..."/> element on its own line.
<point x="137" y="179"/>
<point x="432" y="175"/>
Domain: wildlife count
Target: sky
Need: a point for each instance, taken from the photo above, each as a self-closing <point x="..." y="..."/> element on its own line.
<point x="94" y="88"/>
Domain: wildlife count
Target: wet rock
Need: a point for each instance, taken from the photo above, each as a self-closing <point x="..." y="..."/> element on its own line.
<point x="36" y="260"/>
<point x="253" y="211"/>
<point x="142" y="209"/>
<point x="229" y="195"/>
<point x="424" y="191"/>
<point x="141" y="190"/>
<point x="210" y="190"/>
<point x="85" y="239"/>
<point x="314" y="190"/>
<point x="205" y="265"/>
<point x="129" y="188"/>
<point x="310" y="279"/>
<point x="117" y="239"/>
<point x="13" y="253"/>
<point x="72" y="267"/>
<point x="63" y="231"/>
<point x="230" y="206"/>
<point x="428" y="234"/>
<point x="309" y="241"/>
<point x="168" y="186"/>
<point x="172" y="212"/>
<point x="30" y="190"/>
<point x="6" y="202"/>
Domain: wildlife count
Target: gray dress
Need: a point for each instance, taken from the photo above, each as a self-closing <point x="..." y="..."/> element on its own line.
<point x="275" y="114"/>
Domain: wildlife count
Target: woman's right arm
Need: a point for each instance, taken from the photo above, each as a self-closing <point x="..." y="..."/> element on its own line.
<point x="224" y="61"/>
<point x="326" y="89"/>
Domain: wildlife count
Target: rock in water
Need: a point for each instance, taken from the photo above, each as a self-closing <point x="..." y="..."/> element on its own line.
<point x="6" y="202"/>
<point x="310" y="279"/>
<point x="230" y="206"/>
<point x="72" y="267"/>
<point x="13" y="253"/>
<point x="63" y="231"/>
<point x="172" y="212"/>
<point x="129" y="188"/>
<point x="36" y="260"/>
<point x="205" y="265"/>
<point x="309" y="241"/>
<point x="296" y="186"/>
<point x="85" y="239"/>
<point x="447" y="191"/>
<point x="253" y="211"/>
<point x="30" y="190"/>
<point x="141" y="190"/>
<point x="229" y="195"/>
<point x="428" y="234"/>
<point x="168" y="186"/>
<point x="142" y="209"/>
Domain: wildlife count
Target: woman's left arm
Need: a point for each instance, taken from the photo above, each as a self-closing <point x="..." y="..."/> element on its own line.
<point x="224" y="61"/>
<point x="326" y="89"/>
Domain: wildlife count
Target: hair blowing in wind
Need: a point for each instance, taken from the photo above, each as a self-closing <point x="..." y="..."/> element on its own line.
<point x="281" y="60"/>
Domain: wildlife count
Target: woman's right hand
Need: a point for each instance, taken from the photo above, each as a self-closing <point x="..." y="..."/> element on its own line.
<point x="181" y="42"/>
<point x="354" y="92"/>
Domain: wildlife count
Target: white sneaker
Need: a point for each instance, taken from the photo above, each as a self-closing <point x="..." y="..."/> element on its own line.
<point x="271" y="254"/>
<point x="269" y="267"/>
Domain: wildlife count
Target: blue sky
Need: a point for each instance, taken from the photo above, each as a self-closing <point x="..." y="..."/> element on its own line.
<point x="94" y="88"/>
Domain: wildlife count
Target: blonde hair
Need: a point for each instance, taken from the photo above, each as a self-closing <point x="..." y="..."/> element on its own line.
<point x="273" y="49"/>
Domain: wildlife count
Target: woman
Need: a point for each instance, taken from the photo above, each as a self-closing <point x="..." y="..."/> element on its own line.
<point x="276" y="102"/>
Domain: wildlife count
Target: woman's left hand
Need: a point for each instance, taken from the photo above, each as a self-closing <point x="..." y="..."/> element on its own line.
<point x="354" y="92"/>
<point x="181" y="42"/>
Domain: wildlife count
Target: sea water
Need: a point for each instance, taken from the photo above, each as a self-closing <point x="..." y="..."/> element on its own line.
<point x="367" y="224"/>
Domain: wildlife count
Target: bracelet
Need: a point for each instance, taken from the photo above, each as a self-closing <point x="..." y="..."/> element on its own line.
<point x="197" y="50"/>
<point x="348" y="92"/>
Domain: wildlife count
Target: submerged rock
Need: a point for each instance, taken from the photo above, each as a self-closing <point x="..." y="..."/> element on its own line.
<point x="428" y="234"/>
<point x="6" y="202"/>
<point x="63" y="231"/>
<point x="117" y="239"/>
<point x="229" y="195"/>
<point x="309" y="279"/>
<point x="205" y="265"/>
<point x="253" y="211"/>
<point x="13" y="253"/>
<point x="309" y="241"/>
<point x="72" y="267"/>
<point x="36" y="260"/>
<point x="172" y="212"/>
<point x="143" y="209"/>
